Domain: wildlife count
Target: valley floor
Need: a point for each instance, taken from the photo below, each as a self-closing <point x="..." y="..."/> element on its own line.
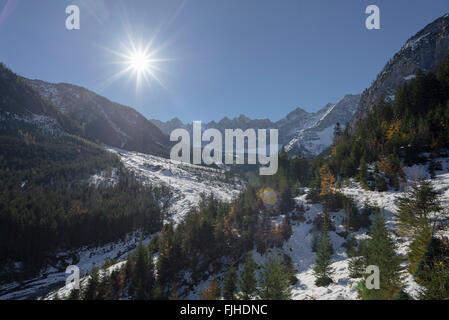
<point x="187" y="182"/>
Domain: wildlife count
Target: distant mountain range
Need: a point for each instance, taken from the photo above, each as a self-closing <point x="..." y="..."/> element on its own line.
<point x="301" y="132"/>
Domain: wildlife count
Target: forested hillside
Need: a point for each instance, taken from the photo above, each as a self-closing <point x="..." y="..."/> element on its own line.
<point x="48" y="204"/>
<point x="391" y="140"/>
<point x="416" y="122"/>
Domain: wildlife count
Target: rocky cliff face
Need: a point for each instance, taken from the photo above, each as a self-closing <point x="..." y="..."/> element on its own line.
<point x="318" y="135"/>
<point x="298" y="120"/>
<point x="424" y="51"/>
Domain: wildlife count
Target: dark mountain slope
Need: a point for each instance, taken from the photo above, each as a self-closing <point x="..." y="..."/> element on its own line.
<point x="17" y="99"/>
<point x="103" y="120"/>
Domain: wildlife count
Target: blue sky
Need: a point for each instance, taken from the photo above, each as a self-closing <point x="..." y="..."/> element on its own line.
<point x="261" y="58"/>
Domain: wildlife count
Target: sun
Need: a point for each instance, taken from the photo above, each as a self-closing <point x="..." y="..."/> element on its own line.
<point x="139" y="62"/>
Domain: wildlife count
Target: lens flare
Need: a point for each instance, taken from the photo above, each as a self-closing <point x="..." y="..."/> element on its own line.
<point x="268" y="196"/>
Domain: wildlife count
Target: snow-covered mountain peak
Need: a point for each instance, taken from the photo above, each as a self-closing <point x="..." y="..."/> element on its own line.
<point x="302" y="132"/>
<point x="317" y="135"/>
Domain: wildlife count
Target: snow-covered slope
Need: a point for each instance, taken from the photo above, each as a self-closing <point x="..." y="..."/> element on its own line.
<point x="344" y="287"/>
<point x="54" y="277"/>
<point x="300" y="243"/>
<point x="65" y="291"/>
<point x="310" y="142"/>
<point x="186" y="181"/>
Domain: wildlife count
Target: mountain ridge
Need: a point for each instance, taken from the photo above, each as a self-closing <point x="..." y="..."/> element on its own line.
<point x="291" y="127"/>
<point x="103" y="120"/>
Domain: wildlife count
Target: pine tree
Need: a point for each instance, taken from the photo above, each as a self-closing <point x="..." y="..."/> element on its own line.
<point x="158" y="292"/>
<point x="419" y="247"/>
<point x="413" y="218"/>
<point x="114" y="290"/>
<point x="247" y="283"/>
<point x="230" y="284"/>
<point x="323" y="269"/>
<point x="380" y="184"/>
<point x="437" y="284"/>
<point x="168" y="256"/>
<point x="313" y="195"/>
<point x="103" y="288"/>
<point x="286" y="229"/>
<point x="351" y="246"/>
<point x="350" y="221"/>
<point x="143" y="277"/>
<point x="362" y="175"/>
<point x="443" y="73"/>
<point x="275" y="283"/>
<point x="287" y="202"/>
<point x="381" y="252"/>
<point x="356" y="267"/>
<point x="91" y="290"/>
<point x="415" y="207"/>
<point x="337" y="132"/>
<point x="433" y="272"/>
<point x="356" y="264"/>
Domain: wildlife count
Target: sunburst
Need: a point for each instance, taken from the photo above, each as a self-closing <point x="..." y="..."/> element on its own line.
<point x="139" y="62"/>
